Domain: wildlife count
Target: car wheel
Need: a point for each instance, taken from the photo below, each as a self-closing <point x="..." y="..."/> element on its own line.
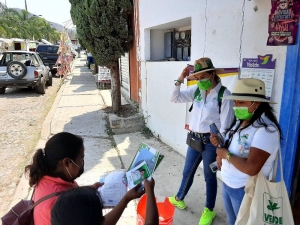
<point x="49" y="82"/>
<point x="42" y="86"/>
<point x="16" y="70"/>
<point x="2" y="90"/>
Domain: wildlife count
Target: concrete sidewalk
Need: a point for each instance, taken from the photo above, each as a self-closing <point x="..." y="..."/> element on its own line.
<point x="79" y="109"/>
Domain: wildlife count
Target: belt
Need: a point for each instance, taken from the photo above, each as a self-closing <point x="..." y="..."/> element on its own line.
<point x="200" y="136"/>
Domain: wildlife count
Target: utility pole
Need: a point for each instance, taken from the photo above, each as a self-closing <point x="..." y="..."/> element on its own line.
<point x="5" y="3"/>
<point x="25" y="6"/>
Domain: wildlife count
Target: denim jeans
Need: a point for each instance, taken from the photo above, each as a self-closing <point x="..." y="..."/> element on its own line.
<point x="232" y="198"/>
<point x="90" y="59"/>
<point x="192" y="161"/>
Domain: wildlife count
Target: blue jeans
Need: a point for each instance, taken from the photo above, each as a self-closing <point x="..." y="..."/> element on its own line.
<point x="90" y="59"/>
<point x="232" y="198"/>
<point x="192" y="161"/>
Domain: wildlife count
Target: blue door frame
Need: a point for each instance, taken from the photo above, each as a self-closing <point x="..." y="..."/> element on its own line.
<point x="290" y="111"/>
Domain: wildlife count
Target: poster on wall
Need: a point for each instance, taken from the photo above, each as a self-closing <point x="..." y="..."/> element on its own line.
<point x="228" y="79"/>
<point x="283" y="22"/>
<point x="262" y="68"/>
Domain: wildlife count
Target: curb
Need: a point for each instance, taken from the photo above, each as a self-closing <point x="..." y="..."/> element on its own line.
<point x="23" y="190"/>
<point x="46" y="126"/>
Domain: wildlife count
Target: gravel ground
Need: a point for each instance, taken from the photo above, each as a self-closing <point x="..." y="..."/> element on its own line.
<point x="22" y="112"/>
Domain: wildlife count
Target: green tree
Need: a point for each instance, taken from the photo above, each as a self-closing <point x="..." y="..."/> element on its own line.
<point x="7" y="21"/>
<point x="102" y="26"/>
<point x="21" y="25"/>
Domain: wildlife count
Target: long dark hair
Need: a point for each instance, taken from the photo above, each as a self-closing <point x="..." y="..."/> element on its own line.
<point x="216" y="78"/>
<point x="58" y="147"/>
<point x="265" y="108"/>
<point x="79" y="206"/>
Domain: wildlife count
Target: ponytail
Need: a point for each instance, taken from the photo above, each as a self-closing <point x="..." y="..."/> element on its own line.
<point x="38" y="168"/>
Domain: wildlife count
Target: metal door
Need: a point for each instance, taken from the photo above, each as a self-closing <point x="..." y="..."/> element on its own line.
<point x="125" y="74"/>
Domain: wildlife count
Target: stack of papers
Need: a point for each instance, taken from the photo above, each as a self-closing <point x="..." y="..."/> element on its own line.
<point x="142" y="166"/>
<point x="114" y="188"/>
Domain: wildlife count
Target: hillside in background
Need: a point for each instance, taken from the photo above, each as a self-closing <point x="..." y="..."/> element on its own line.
<point x="57" y="26"/>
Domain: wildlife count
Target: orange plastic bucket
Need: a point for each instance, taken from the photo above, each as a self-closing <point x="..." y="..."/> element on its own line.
<point x="165" y="211"/>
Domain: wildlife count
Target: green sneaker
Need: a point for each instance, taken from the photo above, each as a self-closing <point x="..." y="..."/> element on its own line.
<point x="179" y="204"/>
<point x="207" y="217"/>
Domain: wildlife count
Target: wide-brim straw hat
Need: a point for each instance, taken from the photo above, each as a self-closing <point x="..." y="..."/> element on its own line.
<point x="249" y="89"/>
<point x="204" y="65"/>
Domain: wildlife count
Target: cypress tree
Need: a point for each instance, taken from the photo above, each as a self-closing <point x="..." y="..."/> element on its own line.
<point x="103" y="27"/>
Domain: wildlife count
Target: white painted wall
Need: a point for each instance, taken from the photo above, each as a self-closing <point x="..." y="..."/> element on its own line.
<point x="218" y="39"/>
<point x="163" y="117"/>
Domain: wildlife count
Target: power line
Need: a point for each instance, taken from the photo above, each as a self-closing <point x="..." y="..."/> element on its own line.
<point x="241" y="37"/>
<point x="205" y="29"/>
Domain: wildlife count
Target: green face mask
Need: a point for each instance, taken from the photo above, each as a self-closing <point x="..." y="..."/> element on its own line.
<point x="204" y="84"/>
<point x="242" y="113"/>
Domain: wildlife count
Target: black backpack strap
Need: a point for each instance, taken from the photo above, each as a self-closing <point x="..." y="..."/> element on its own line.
<point x="47" y="197"/>
<point x="220" y="95"/>
<point x="197" y="92"/>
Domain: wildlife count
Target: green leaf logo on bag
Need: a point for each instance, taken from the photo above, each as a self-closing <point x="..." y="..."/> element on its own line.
<point x="272" y="206"/>
<point x="272" y="209"/>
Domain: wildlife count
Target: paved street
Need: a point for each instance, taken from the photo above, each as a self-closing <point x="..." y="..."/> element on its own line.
<point x="22" y="112"/>
<point x="78" y="109"/>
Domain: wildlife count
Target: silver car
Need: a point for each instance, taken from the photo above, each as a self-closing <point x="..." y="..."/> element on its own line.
<point x="23" y="69"/>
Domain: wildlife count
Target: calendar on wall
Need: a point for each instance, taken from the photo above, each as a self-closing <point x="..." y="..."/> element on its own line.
<point x="262" y="68"/>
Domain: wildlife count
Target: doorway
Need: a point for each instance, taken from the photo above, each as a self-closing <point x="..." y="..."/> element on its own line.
<point x="295" y="188"/>
<point x="18" y="46"/>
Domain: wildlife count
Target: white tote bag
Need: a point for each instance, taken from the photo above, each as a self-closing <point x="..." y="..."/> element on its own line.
<point x="265" y="202"/>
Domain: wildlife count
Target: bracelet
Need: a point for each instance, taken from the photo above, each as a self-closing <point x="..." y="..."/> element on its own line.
<point x="179" y="81"/>
<point x="228" y="156"/>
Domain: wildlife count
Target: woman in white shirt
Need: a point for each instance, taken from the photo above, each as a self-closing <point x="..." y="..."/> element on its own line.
<point x="208" y="108"/>
<point x="251" y="145"/>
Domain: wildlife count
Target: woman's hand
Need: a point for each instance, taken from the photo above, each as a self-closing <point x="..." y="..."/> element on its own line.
<point x="219" y="162"/>
<point x="214" y="139"/>
<point x="96" y="185"/>
<point x="184" y="73"/>
<point x="134" y="193"/>
<point x="149" y="185"/>
<point x="114" y="215"/>
<point x="222" y="153"/>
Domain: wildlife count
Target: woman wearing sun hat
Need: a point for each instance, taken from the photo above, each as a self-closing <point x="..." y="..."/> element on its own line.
<point x="206" y="110"/>
<point x="251" y="145"/>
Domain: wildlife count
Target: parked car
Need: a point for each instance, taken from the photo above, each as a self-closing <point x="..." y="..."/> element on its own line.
<point x="49" y="55"/>
<point x="23" y="69"/>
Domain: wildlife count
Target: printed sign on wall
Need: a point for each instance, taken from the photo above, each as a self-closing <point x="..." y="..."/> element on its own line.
<point x="283" y="22"/>
<point x="262" y="68"/>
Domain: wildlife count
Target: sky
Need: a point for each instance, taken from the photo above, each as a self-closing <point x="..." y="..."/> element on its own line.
<point x="57" y="11"/>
